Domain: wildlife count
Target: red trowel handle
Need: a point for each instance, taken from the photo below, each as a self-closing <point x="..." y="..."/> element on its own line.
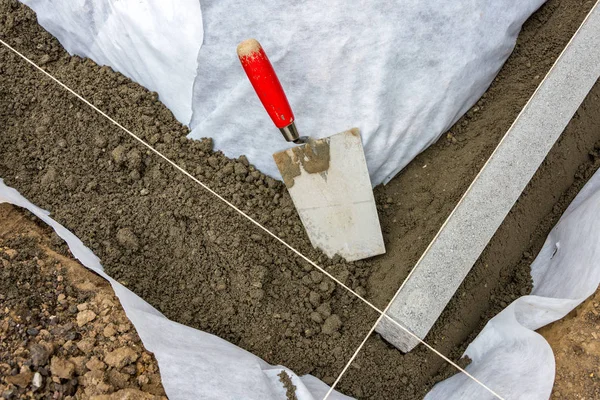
<point x="266" y="84"/>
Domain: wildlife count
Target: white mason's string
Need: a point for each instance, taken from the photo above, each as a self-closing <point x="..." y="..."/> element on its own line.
<point x="249" y="218"/>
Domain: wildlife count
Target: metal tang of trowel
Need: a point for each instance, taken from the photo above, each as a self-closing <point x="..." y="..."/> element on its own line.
<point x="327" y="178"/>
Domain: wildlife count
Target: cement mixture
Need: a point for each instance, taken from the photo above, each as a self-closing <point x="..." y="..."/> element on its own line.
<point x="203" y="265"/>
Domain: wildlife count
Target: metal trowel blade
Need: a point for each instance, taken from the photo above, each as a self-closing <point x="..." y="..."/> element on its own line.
<point x="329" y="183"/>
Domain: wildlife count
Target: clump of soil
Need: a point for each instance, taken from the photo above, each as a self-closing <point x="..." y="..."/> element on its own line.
<point x="200" y="263"/>
<point x="290" y="388"/>
<point x="63" y="332"/>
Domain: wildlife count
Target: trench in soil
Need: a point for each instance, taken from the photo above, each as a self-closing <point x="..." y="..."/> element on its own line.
<point x="201" y="264"/>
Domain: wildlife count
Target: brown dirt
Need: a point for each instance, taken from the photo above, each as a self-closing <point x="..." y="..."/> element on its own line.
<point x="202" y="265"/>
<point x="157" y="232"/>
<point x="62" y="329"/>
<point x="290" y="388"/>
<point x="575" y="341"/>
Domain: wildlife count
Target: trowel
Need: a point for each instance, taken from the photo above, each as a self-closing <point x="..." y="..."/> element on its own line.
<point x="327" y="178"/>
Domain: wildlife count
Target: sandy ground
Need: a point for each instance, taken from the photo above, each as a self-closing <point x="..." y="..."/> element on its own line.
<point x="575" y="341"/>
<point x="142" y="218"/>
<point x="63" y="332"/>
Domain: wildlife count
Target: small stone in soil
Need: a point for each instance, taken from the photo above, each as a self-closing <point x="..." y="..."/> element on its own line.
<point x="62" y="368"/>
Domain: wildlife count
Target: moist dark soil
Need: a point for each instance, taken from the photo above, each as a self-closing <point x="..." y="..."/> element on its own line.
<point x="202" y="264"/>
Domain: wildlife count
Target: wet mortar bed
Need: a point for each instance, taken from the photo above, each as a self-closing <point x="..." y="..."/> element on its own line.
<point x="202" y="264"/>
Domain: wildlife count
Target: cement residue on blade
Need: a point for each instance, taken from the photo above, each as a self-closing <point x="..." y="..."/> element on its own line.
<point x="312" y="157"/>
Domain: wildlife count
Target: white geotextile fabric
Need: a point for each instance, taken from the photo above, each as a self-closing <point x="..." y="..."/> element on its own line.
<point x="402" y="71"/>
<point x="508" y="356"/>
<point x="193" y="364"/>
<point x="153" y="42"/>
